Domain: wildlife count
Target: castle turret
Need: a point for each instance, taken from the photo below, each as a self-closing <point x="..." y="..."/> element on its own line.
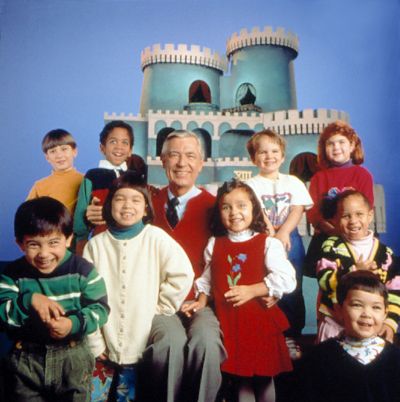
<point x="180" y="78"/>
<point x="261" y="71"/>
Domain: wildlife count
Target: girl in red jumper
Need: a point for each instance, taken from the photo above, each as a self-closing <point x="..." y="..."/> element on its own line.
<point x="246" y="273"/>
<point x="340" y="156"/>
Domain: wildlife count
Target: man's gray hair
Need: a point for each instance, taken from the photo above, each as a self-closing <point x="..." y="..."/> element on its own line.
<point x="181" y="134"/>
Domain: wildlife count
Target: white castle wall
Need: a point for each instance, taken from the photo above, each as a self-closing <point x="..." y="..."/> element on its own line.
<point x="285" y="122"/>
<point x="182" y="54"/>
<point x="265" y="37"/>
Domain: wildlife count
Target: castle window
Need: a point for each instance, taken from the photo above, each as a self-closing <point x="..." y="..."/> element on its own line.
<point x="246" y="95"/>
<point x="199" y="92"/>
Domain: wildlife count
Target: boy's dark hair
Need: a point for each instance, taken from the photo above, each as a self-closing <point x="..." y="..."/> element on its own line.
<point x="128" y="180"/>
<point x="42" y="216"/>
<point x="252" y="143"/>
<point x="114" y="124"/>
<point x="57" y="137"/>
<point x="360" y="280"/>
<point x="330" y="203"/>
<point x="257" y="223"/>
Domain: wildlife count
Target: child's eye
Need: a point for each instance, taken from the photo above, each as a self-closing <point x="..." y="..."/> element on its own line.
<point x="54" y="243"/>
<point x="378" y="308"/>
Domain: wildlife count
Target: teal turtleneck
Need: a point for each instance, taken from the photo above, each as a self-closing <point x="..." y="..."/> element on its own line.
<point x="127" y="233"/>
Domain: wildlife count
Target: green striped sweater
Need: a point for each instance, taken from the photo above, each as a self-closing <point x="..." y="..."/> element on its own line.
<point x="74" y="284"/>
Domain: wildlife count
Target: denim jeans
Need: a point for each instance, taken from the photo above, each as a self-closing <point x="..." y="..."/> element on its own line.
<point x="50" y="372"/>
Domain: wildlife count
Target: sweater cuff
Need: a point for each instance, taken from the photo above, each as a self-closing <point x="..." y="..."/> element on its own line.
<point x="76" y="325"/>
<point x="26" y="301"/>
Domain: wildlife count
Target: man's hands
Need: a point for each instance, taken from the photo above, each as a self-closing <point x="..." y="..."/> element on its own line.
<point x="191" y="307"/>
<point x="52" y="315"/>
<point x="94" y="212"/>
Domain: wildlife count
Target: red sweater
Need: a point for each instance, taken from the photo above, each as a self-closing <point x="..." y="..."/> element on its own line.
<point x="353" y="176"/>
<point x="192" y="231"/>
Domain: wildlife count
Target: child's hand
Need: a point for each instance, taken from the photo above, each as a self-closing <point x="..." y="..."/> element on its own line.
<point x="269" y="301"/>
<point x="189" y="308"/>
<point x="59" y="328"/>
<point x="362" y="265"/>
<point x="94" y="212"/>
<point x="239" y="295"/>
<point x="270" y="227"/>
<point x="387" y="333"/>
<point x="46" y="308"/>
<point x="284" y="237"/>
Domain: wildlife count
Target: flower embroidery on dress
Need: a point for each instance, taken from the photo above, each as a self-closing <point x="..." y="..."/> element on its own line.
<point x="236" y="268"/>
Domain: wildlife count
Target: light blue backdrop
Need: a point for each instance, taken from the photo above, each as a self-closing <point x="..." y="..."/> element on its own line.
<point x="63" y="63"/>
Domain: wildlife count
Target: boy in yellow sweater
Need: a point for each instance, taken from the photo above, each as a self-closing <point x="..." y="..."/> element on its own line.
<point x="60" y="150"/>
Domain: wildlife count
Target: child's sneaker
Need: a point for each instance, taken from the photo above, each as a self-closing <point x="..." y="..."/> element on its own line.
<point x="293" y="347"/>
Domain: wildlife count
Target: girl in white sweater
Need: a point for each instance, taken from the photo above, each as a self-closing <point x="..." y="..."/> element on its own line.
<point x="146" y="273"/>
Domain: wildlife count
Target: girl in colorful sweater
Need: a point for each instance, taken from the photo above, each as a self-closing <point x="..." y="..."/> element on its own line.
<point x="246" y="273"/>
<point x="354" y="249"/>
<point x="147" y="274"/>
<point x="340" y="156"/>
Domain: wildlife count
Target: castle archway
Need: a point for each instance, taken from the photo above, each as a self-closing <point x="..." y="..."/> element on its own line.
<point x="205" y="140"/>
<point x="161" y="136"/>
<point x="303" y="166"/>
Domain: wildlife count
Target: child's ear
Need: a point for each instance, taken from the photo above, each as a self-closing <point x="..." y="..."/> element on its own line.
<point x="69" y="241"/>
<point x="20" y="245"/>
<point x="337" y="308"/>
<point x="370" y="216"/>
<point x="102" y="149"/>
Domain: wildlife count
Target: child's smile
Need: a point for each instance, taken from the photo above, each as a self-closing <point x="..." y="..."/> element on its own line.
<point x="268" y="158"/>
<point x="236" y="210"/>
<point x="354" y="217"/>
<point x="363" y="314"/>
<point x="128" y="207"/>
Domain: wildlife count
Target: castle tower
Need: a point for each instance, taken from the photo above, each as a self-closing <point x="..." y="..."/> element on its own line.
<point x="181" y="78"/>
<point x="262" y="72"/>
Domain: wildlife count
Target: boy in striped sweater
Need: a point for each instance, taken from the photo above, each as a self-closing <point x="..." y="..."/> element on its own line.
<point x="50" y="300"/>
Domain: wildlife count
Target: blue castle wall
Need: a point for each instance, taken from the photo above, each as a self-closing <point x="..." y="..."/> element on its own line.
<point x="268" y="69"/>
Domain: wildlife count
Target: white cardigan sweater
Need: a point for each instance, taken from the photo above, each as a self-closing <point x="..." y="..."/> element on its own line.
<point x="147" y="275"/>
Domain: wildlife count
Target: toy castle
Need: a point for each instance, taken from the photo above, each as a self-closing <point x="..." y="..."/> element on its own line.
<point x="224" y="100"/>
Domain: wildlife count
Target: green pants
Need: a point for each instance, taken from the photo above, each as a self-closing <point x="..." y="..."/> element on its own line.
<point x="50" y="372"/>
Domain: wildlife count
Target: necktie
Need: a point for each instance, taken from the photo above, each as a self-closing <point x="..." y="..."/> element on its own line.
<point x="172" y="216"/>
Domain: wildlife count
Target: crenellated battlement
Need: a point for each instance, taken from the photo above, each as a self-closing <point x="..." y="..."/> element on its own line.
<point x="266" y="37"/>
<point x="182" y="54"/>
<point x="124" y="116"/>
<point x="307" y="121"/>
